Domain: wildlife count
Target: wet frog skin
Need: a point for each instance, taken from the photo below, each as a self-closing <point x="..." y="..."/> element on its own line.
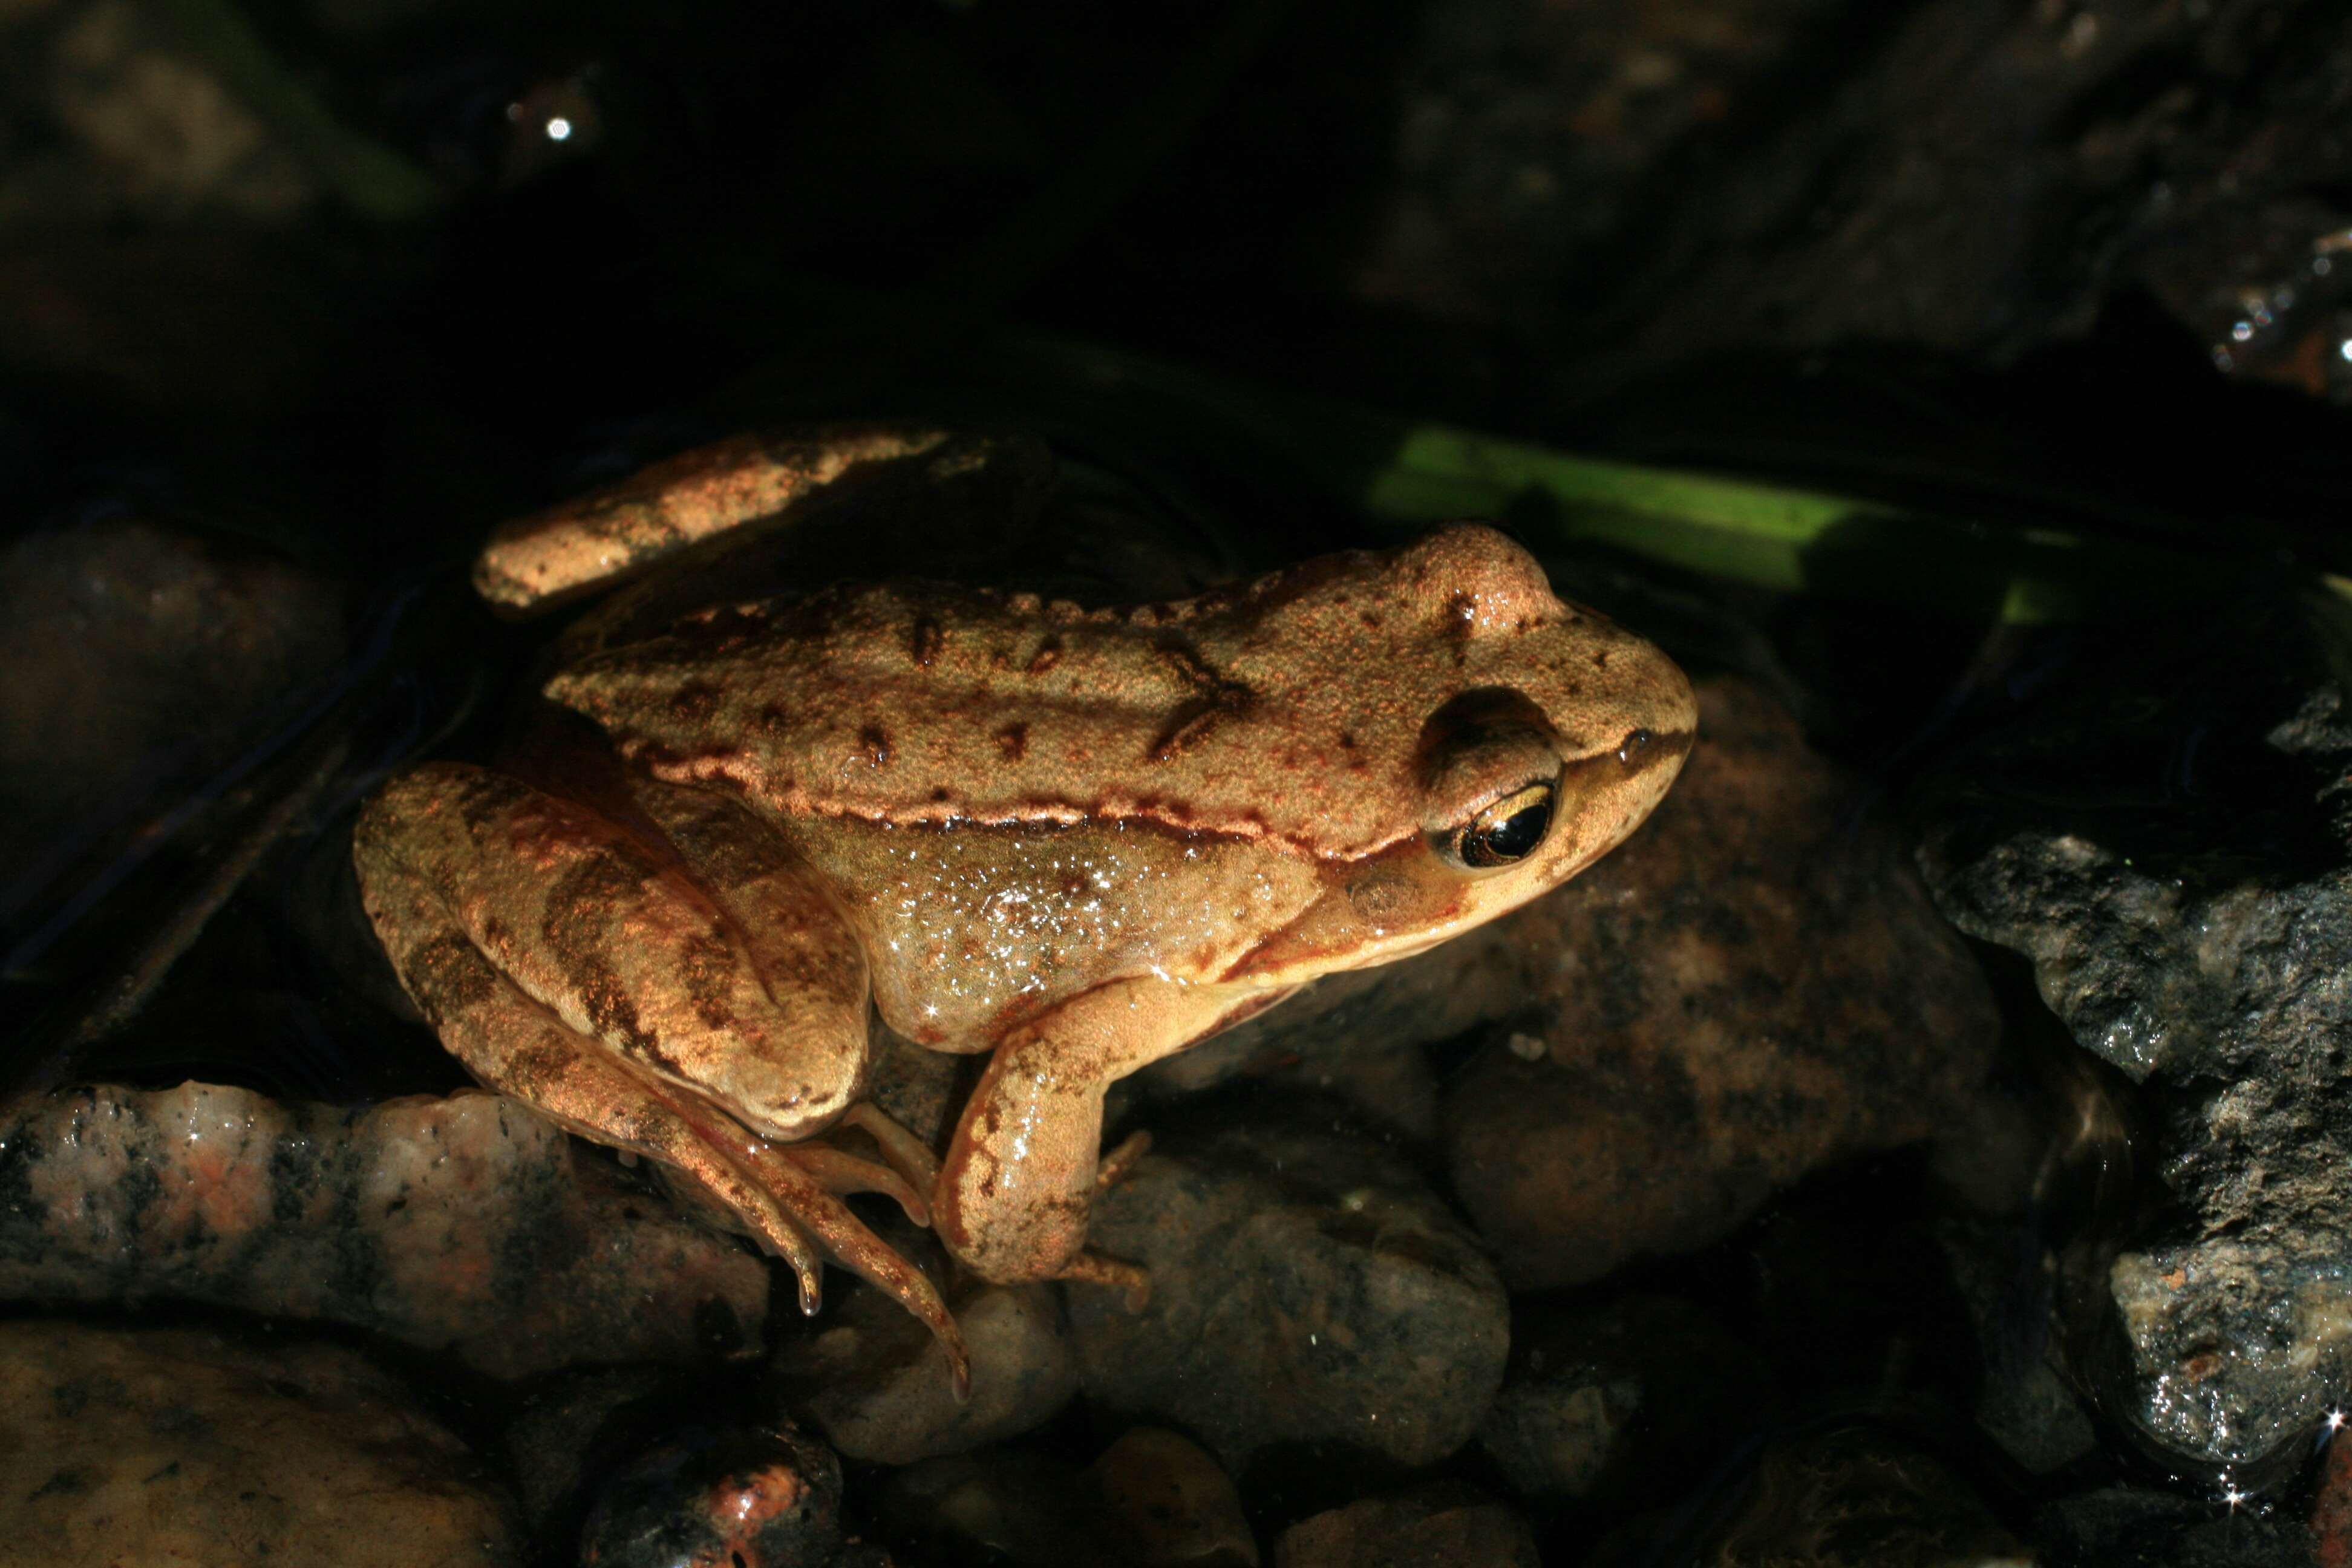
<point x="1076" y="840"/>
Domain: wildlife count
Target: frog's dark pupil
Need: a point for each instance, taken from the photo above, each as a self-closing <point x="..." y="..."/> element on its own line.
<point x="1513" y="838"/>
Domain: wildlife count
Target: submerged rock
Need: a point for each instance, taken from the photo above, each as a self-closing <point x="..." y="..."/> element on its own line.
<point x="2171" y="845"/>
<point x="1754" y="987"/>
<point x="997" y="1505"/>
<point x="2120" y="1527"/>
<point x="176" y="1446"/>
<point x="465" y="1222"/>
<point x="1443" y="1526"/>
<point x="1612" y="1402"/>
<point x="1171" y="1504"/>
<point x="770" y="1496"/>
<point x="1305" y="1287"/>
<point x="1857" y="1500"/>
<point x="876" y="1382"/>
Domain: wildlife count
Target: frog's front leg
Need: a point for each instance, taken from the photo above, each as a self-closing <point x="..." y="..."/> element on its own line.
<point x="1015" y="1188"/>
<point x="702" y="1023"/>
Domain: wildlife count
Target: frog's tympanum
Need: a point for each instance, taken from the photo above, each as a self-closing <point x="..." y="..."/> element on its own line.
<point x="1076" y="840"/>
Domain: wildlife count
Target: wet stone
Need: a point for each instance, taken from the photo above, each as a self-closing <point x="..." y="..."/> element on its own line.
<point x="2169" y="842"/>
<point x="2331" y="1509"/>
<point x="875" y="1383"/>
<point x="1305" y="1287"/>
<point x="1173" y="1505"/>
<point x="1755" y="986"/>
<point x="467" y="1223"/>
<point x="1860" y="1499"/>
<point x="572" y="1428"/>
<point x="768" y="1495"/>
<point x="2023" y="1401"/>
<point x="1613" y="1401"/>
<point x="140" y="657"/>
<point x="179" y="1445"/>
<point x="996" y="1505"/>
<point x="1443" y="1526"/>
<point x="2124" y="1528"/>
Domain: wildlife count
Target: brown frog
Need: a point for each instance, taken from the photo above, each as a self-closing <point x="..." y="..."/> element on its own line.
<point x="1079" y="839"/>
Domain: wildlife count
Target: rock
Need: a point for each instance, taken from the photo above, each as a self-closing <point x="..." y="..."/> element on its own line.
<point x="876" y="1382"/>
<point x="2167" y="841"/>
<point x="177" y="1446"/>
<point x="1856" y="1500"/>
<point x="140" y="657"/>
<point x="2331" y="1507"/>
<point x="998" y="1505"/>
<point x="1305" y="1287"/>
<point x="768" y="1496"/>
<point x="1631" y="186"/>
<point x="1176" y="1507"/>
<point x="1619" y="1401"/>
<point x="465" y="1223"/>
<point x="1445" y="1526"/>
<point x="1754" y="987"/>
<point x="571" y="1431"/>
<point x="917" y="1087"/>
<point x="2024" y="1401"/>
<point x="2124" y="1528"/>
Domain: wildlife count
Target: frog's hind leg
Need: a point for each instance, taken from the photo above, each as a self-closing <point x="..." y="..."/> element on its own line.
<point x="565" y="964"/>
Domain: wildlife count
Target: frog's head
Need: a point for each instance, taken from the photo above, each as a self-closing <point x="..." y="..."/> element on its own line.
<point x="1543" y="735"/>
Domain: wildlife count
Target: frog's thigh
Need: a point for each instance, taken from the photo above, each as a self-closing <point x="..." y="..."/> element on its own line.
<point x="768" y="1024"/>
<point x="518" y="1047"/>
<point x="1012" y="1193"/>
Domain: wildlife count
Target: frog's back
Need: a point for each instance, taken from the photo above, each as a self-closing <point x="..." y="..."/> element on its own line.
<point x="1288" y="710"/>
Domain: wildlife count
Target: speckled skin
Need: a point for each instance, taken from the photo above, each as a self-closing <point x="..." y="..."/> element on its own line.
<point x="1081" y="840"/>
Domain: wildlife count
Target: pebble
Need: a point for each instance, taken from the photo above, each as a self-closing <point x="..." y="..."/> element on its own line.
<point x="1619" y="1401"/>
<point x="176" y="1446"/>
<point x="766" y="1497"/>
<point x="1306" y="1286"/>
<point x="1445" y="1526"/>
<point x="1854" y="1499"/>
<point x="999" y="1506"/>
<point x="1175" y="1505"/>
<point x="875" y="1383"/>
<point x="2166" y="842"/>
<point x="468" y="1224"/>
<point x="1753" y="988"/>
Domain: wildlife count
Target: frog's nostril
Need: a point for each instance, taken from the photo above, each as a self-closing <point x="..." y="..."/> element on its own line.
<point x="1631" y="747"/>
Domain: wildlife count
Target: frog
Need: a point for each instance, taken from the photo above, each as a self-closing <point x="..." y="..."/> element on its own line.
<point x="1074" y="839"/>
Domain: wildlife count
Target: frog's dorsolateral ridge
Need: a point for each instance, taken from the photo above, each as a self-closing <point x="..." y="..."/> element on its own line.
<point x="1078" y="840"/>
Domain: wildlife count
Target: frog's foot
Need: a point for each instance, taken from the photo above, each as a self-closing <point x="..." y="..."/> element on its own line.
<point x="801" y="1181"/>
<point x="1094" y="1268"/>
<point x="901" y="1149"/>
<point x="785" y="1194"/>
<point x="841" y="1172"/>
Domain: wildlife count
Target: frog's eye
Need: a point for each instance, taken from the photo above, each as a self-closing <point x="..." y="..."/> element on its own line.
<point x="1506" y="832"/>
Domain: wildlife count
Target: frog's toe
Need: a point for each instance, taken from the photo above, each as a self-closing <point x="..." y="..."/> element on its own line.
<point x="1117" y="1164"/>
<point x="905" y="1154"/>
<point x="1094" y="1268"/>
<point x="840" y="1173"/>
<point x="791" y="1174"/>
